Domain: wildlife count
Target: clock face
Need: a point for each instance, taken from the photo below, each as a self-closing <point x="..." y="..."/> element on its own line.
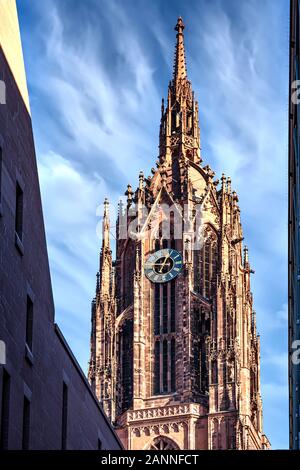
<point x="164" y="265"/>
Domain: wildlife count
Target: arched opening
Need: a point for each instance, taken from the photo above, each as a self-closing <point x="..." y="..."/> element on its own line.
<point x="163" y="443"/>
<point x="205" y="264"/>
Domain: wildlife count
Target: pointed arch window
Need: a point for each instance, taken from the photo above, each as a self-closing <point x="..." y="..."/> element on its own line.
<point x="164" y="324"/>
<point x="157" y="367"/>
<point x="163" y="443"/>
<point x="205" y="264"/>
<point x="165" y="365"/>
<point x="173" y="307"/>
<point x="127" y="364"/>
<point x="157" y="309"/>
<point x="173" y="366"/>
<point x="165" y="308"/>
<point x="129" y="263"/>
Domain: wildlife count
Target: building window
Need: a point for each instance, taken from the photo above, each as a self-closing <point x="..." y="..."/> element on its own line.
<point x="157" y="367"/>
<point x="163" y="443"/>
<point x="26" y="424"/>
<point x="214" y="372"/>
<point x="64" y="425"/>
<point x="173" y="366"/>
<point x="5" y="410"/>
<point x="205" y="266"/>
<point x="165" y="365"/>
<point x="127" y="364"/>
<point x="29" y="323"/>
<point x="157" y="310"/>
<point x="206" y="269"/>
<point x="173" y="309"/>
<point x="165" y="308"/>
<point x="19" y="212"/>
<point x="164" y="311"/>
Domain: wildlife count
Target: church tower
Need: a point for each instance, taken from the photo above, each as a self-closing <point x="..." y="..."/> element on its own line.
<point x="175" y="356"/>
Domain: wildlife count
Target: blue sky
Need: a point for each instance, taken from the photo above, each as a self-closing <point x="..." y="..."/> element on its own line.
<point x="97" y="70"/>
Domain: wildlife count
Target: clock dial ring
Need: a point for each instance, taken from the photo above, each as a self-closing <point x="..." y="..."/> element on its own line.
<point x="163" y="265"/>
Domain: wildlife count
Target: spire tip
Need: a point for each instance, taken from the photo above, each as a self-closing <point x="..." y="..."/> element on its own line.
<point x="179" y="25"/>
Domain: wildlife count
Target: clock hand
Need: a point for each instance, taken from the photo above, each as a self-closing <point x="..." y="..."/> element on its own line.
<point x="163" y="264"/>
<point x="152" y="264"/>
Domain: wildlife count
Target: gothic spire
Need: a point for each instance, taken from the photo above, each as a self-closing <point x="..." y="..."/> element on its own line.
<point x="106" y="225"/>
<point x="179" y="61"/>
<point x="179" y="135"/>
<point x="105" y="254"/>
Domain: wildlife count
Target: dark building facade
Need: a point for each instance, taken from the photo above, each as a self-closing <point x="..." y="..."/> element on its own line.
<point x="45" y="399"/>
<point x="294" y="228"/>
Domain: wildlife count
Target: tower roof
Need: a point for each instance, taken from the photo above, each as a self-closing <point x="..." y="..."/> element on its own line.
<point x="179" y="60"/>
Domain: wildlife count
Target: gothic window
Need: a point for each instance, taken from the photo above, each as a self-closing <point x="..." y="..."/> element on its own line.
<point x="173" y="366"/>
<point x="164" y="311"/>
<point x="157" y="367"/>
<point x="200" y="332"/>
<point x="165" y="308"/>
<point x="206" y="268"/>
<point x="197" y="363"/>
<point x="163" y="443"/>
<point x="165" y="365"/>
<point x="196" y="346"/>
<point x="205" y="265"/>
<point x="197" y="271"/>
<point x="176" y="178"/>
<point x="129" y="264"/>
<point x="214" y="371"/>
<point x="173" y="307"/>
<point x="157" y="309"/>
<point x="173" y="122"/>
<point x="127" y="364"/>
<point x="176" y="118"/>
<point x="252" y="383"/>
<point x="164" y="325"/>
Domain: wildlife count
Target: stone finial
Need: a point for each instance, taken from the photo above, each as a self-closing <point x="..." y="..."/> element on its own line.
<point x="106" y="207"/>
<point x="141" y="180"/>
<point x="129" y="193"/>
<point x="229" y="185"/>
<point x="223" y="182"/>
